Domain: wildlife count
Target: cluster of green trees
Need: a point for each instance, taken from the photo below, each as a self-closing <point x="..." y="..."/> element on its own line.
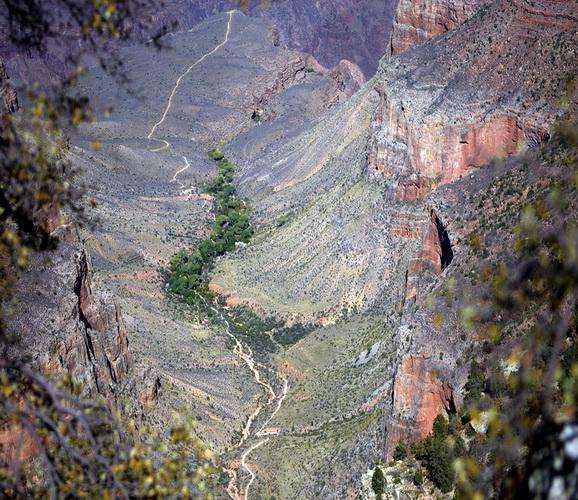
<point x="188" y="269"/>
<point x="437" y="452"/>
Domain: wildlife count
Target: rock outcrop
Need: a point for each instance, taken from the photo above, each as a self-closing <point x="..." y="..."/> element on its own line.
<point x="294" y="71"/>
<point x="417" y="21"/>
<point x="438" y="119"/>
<point x="348" y="79"/>
<point x="66" y="323"/>
<point x="8" y="98"/>
<point x="419" y="397"/>
<point x="437" y="122"/>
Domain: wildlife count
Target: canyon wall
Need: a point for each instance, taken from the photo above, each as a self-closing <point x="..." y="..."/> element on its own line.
<point x="438" y="119"/>
<point x="417" y="21"/>
<point x="465" y="100"/>
<point x="67" y="323"/>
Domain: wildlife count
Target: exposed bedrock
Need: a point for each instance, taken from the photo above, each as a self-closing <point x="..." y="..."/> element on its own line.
<point x="8" y="98"/>
<point x="426" y="152"/>
<point x="69" y="324"/>
<point x="416" y="21"/>
<point x="419" y="397"/>
<point x="445" y="110"/>
<point x="435" y="252"/>
<point x="453" y="106"/>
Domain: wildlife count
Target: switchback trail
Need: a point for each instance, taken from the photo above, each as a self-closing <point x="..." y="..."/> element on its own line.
<point x="244" y="352"/>
<point x="151" y="134"/>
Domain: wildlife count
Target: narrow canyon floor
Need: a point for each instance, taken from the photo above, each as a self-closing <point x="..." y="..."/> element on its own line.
<point x="146" y="177"/>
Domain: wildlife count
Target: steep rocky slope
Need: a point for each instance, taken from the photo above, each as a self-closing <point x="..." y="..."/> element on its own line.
<point x="353" y="221"/>
<point x="423" y="121"/>
<point x="69" y="323"/>
<point x="8" y="97"/>
<point x="331" y="30"/>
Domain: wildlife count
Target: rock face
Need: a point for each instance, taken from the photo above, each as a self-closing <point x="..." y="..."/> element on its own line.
<point x="434" y="125"/>
<point x="348" y="79"/>
<point x="419" y="397"/>
<point x="335" y="29"/>
<point x="290" y="73"/>
<point x="8" y="98"/>
<point x="435" y="253"/>
<point x="66" y="323"/>
<point x="417" y="21"/>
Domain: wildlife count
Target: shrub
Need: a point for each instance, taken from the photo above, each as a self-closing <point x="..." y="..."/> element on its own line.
<point x="440" y="466"/>
<point x="400" y="452"/>
<point x="475" y="384"/>
<point x="216" y="155"/>
<point x="440" y="428"/>
<point x="418" y="477"/>
<point x="436" y="456"/>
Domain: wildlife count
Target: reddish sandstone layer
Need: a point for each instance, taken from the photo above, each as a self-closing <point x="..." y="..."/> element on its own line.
<point x="435" y="251"/>
<point x="458" y="102"/>
<point x="419" y="397"/>
<point x="424" y="153"/>
<point x="416" y="21"/>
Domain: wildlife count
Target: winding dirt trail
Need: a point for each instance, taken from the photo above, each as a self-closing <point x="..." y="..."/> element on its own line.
<point x="150" y="135"/>
<point x="244" y="352"/>
<point x="186" y="167"/>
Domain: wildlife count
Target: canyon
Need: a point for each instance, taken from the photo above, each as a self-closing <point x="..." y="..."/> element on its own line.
<point x="330" y="31"/>
<point x="322" y="350"/>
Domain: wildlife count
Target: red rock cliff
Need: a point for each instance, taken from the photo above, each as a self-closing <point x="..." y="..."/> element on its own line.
<point x="419" y="397"/>
<point x="454" y="106"/>
<point x="416" y="21"/>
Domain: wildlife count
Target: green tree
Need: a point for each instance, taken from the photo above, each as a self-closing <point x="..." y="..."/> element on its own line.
<point x="475" y="384"/>
<point x="378" y="482"/>
<point x="440" y="466"/>
<point x="441" y="428"/>
<point x="418" y="477"/>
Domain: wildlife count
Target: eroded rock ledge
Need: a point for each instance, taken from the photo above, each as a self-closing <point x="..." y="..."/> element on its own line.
<point x="66" y="323"/>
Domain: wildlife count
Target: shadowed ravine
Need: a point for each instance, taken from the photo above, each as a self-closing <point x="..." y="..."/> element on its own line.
<point x="274" y="400"/>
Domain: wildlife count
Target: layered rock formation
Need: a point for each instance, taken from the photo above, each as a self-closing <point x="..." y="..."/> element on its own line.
<point x="437" y="119"/>
<point x="419" y="397"/>
<point x="361" y="193"/>
<point x="417" y="21"/>
<point x="434" y="126"/>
